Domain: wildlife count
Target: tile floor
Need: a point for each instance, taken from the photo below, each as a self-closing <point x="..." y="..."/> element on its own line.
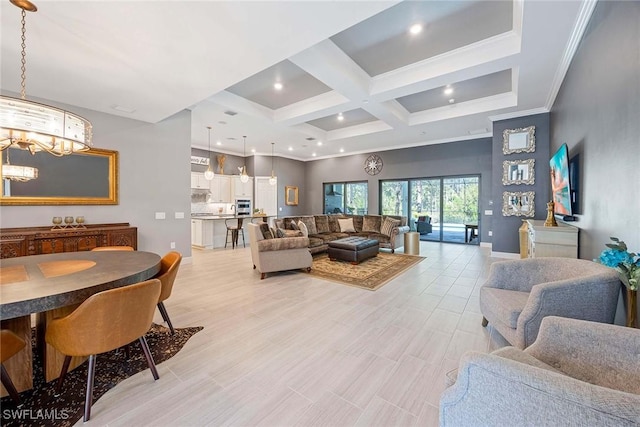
<point x="292" y="350"/>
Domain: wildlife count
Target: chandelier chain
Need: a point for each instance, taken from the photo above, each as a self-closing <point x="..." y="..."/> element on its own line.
<point x="23" y="68"/>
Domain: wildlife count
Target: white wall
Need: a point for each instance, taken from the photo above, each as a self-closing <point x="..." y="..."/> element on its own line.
<point x="154" y="171"/>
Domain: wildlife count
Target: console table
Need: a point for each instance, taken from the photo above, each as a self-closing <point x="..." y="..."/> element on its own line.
<point x="23" y="241"/>
<point x="560" y="241"/>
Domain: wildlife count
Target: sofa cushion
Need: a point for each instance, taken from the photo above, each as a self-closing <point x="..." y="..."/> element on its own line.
<point x="322" y="224"/>
<point x="371" y="223"/>
<point x="346" y="225"/>
<point x="334" y="227"/>
<point x="266" y="231"/>
<point x="315" y="242"/>
<point x="357" y="222"/>
<point x="279" y="223"/>
<point x="506" y="304"/>
<point x="328" y="237"/>
<point x="282" y="244"/>
<point x="310" y="222"/>
<point x="280" y="233"/>
<point x="388" y="225"/>
<point x="293" y="225"/>
<point x="303" y="229"/>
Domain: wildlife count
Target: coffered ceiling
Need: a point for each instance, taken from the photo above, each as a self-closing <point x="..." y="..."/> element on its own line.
<point x="357" y="60"/>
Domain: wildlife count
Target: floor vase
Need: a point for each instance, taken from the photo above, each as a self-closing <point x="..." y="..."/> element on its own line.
<point x="632" y="308"/>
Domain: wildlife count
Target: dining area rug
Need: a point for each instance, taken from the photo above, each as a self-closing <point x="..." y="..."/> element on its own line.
<point x="42" y="408"/>
<point x="370" y="274"/>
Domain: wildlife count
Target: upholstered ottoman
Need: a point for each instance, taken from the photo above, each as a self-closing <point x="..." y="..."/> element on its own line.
<point x="353" y="249"/>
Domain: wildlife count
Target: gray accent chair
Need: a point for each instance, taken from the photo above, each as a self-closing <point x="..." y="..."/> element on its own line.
<point x="577" y="373"/>
<point x="518" y="294"/>
<point x="279" y="254"/>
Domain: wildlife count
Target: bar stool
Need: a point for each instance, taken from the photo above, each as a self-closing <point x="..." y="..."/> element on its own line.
<point x="10" y="344"/>
<point x="234" y="228"/>
<point x="103" y="322"/>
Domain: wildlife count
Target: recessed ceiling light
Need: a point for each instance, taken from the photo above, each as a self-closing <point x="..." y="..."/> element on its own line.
<point x="290" y="148"/>
<point x="452" y="100"/>
<point x="313" y="154"/>
<point x="448" y="90"/>
<point x="277" y="86"/>
<point x="319" y="143"/>
<point x="415" y="29"/>
<point x="342" y="150"/>
<point x="340" y="117"/>
<point x="218" y="143"/>
<point x="253" y="150"/>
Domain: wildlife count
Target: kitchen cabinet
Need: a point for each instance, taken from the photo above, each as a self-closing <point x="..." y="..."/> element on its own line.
<point x="242" y="190"/>
<point x="560" y="241"/>
<point x="202" y="233"/>
<point x="198" y="181"/>
<point x="220" y="188"/>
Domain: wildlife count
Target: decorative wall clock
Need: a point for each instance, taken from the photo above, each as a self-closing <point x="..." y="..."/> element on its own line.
<point x="373" y="164"/>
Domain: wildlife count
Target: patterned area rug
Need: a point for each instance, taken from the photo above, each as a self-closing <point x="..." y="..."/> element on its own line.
<point x="42" y="408"/>
<point x="370" y="274"/>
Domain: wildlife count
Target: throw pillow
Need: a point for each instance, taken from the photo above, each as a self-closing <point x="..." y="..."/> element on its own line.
<point x="294" y="226"/>
<point x="288" y="233"/>
<point x="303" y="228"/>
<point x="346" y="225"/>
<point x="388" y="225"/>
<point x="266" y="231"/>
<point x="371" y="223"/>
<point x="279" y="223"/>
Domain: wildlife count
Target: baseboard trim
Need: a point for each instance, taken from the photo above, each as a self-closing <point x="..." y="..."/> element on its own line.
<point x="507" y="255"/>
<point x="486" y="245"/>
<point x="187" y="260"/>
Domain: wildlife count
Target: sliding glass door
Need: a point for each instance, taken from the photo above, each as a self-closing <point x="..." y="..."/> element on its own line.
<point x="440" y="209"/>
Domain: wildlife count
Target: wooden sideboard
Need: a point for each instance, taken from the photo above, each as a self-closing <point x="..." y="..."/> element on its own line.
<point x="15" y="242"/>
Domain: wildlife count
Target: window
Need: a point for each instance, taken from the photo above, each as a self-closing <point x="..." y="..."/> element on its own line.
<point x="395" y="197"/>
<point x="345" y="197"/>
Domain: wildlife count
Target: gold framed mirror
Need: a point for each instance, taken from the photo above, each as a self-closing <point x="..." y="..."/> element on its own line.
<point x="88" y="178"/>
<point x="291" y="195"/>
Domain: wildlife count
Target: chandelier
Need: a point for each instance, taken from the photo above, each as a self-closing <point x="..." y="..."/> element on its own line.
<point x="38" y="127"/>
<point x="208" y="175"/>
<point x="18" y="173"/>
<point x="273" y="179"/>
<point x="243" y="175"/>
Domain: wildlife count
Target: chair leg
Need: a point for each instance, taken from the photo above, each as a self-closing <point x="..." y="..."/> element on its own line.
<point x="485" y="322"/>
<point x="63" y="374"/>
<point x="149" y="357"/>
<point x="11" y="389"/>
<point x="88" y="399"/>
<point x="243" y="242"/>
<point x="165" y="316"/>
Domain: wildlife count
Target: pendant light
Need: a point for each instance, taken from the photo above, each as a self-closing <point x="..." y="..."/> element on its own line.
<point x="38" y="127"/>
<point x="243" y="176"/>
<point x="273" y="179"/>
<point x="18" y="173"/>
<point x="208" y="175"/>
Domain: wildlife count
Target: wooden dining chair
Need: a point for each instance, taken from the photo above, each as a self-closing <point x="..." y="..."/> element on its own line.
<point x="112" y="248"/>
<point x="167" y="275"/>
<point x="103" y="322"/>
<point x="10" y="344"/>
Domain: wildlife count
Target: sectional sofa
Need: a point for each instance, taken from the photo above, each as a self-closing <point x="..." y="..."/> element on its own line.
<point x="388" y="230"/>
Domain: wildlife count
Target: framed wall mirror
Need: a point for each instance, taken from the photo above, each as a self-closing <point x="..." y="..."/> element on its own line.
<point x="291" y="195"/>
<point x="522" y="140"/>
<point x="89" y="178"/>
<point x="518" y="203"/>
<point x="518" y="172"/>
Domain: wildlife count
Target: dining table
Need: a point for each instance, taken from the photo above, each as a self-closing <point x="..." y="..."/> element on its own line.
<point x="53" y="285"/>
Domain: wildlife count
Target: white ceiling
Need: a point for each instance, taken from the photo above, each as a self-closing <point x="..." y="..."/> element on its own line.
<point x="147" y="60"/>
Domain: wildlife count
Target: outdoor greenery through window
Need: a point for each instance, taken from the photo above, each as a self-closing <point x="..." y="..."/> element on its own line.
<point x="449" y="205"/>
<point x="345" y="197"/>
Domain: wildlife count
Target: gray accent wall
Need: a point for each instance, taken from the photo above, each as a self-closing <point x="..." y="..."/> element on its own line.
<point x="597" y="114"/>
<point x="456" y="158"/>
<point x="505" y="228"/>
<point x="154" y="177"/>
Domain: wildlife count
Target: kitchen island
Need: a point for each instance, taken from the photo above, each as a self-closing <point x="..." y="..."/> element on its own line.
<point x="209" y="231"/>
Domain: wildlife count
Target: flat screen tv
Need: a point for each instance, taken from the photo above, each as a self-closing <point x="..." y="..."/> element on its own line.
<point x="560" y="182"/>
